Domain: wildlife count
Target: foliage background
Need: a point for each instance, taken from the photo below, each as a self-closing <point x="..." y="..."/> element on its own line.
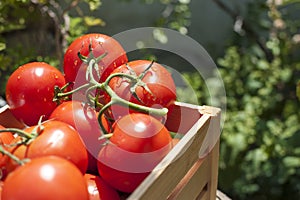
<point x="257" y="53"/>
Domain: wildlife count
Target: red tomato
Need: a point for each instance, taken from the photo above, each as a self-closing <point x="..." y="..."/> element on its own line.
<point x="99" y="190"/>
<point x="30" y="91"/>
<point x="157" y="79"/>
<point x="19" y="151"/>
<point x="60" y="139"/>
<point x="138" y="144"/>
<point x="100" y="44"/>
<point x="5" y="138"/>
<point x="46" y="178"/>
<point x="84" y="119"/>
<point x="1" y="186"/>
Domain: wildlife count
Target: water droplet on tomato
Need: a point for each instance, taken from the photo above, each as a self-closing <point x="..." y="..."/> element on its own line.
<point x="45" y="99"/>
<point x="19" y="77"/>
<point x="75" y="62"/>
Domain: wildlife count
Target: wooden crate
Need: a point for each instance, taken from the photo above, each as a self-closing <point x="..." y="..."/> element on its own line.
<point x="182" y="174"/>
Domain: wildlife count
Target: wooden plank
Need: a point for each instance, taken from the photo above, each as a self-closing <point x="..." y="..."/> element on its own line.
<point x="214" y="164"/>
<point x="201" y="179"/>
<point x="194" y="182"/>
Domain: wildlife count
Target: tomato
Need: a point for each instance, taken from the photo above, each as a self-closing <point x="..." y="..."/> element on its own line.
<point x="46" y="178"/>
<point x="60" y="139"/>
<point x="157" y="79"/>
<point x="5" y="139"/>
<point x="30" y="91"/>
<point x="138" y="144"/>
<point x="84" y="119"/>
<point x="99" y="190"/>
<point x="19" y="151"/>
<point x="1" y="186"/>
<point x="100" y="44"/>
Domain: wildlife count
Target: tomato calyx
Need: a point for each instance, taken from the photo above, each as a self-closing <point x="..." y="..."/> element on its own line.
<point x="60" y="94"/>
<point x="138" y="81"/>
<point x="92" y="60"/>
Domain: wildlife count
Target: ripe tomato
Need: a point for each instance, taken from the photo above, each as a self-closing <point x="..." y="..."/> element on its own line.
<point x="19" y="151"/>
<point x="5" y="138"/>
<point x="46" y="178"/>
<point x="84" y="119"/>
<point x="138" y="144"/>
<point x="100" y="44"/>
<point x="60" y="139"/>
<point x="99" y="190"/>
<point x="157" y="79"/>
<point x="30" y="91"/>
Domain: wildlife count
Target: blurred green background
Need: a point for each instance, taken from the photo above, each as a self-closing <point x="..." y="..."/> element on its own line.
<point x="254" y="43"/>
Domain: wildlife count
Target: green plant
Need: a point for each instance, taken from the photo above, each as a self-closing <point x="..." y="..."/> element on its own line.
<point x="261" y="136"/>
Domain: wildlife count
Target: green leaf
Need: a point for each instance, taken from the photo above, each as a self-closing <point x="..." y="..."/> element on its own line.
<point x="291" y="161"/>
<point x="94" y="4"/>
<point x="2" y="46"/>
<point x="93" y="21"/>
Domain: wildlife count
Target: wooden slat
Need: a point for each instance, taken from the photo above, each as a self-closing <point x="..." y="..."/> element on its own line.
<point x="194" y="182"/>
<point x="214" y="161"/>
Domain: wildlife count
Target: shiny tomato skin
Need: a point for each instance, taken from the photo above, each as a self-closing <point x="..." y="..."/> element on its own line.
<point x="79" y="115"/>
<point x="158" y="79"/>
<point x="5" y="139"/>
<point x="84" y="119"/>
<point x="46" y="178"/>
<point x="30" y="91"/>
<point x="138" y="144"/>
<point x="99" y="190"/>
<point x="100" y="44"/>
<point x="60" y="139"/>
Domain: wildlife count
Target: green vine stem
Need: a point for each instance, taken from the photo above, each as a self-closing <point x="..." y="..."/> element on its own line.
<point x="12" y="156"/>
<point x="20" y="132"/>
<point x="115" y="99"/>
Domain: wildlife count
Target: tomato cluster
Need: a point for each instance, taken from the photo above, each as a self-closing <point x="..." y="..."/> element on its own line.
<point x="93" y="131"/>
